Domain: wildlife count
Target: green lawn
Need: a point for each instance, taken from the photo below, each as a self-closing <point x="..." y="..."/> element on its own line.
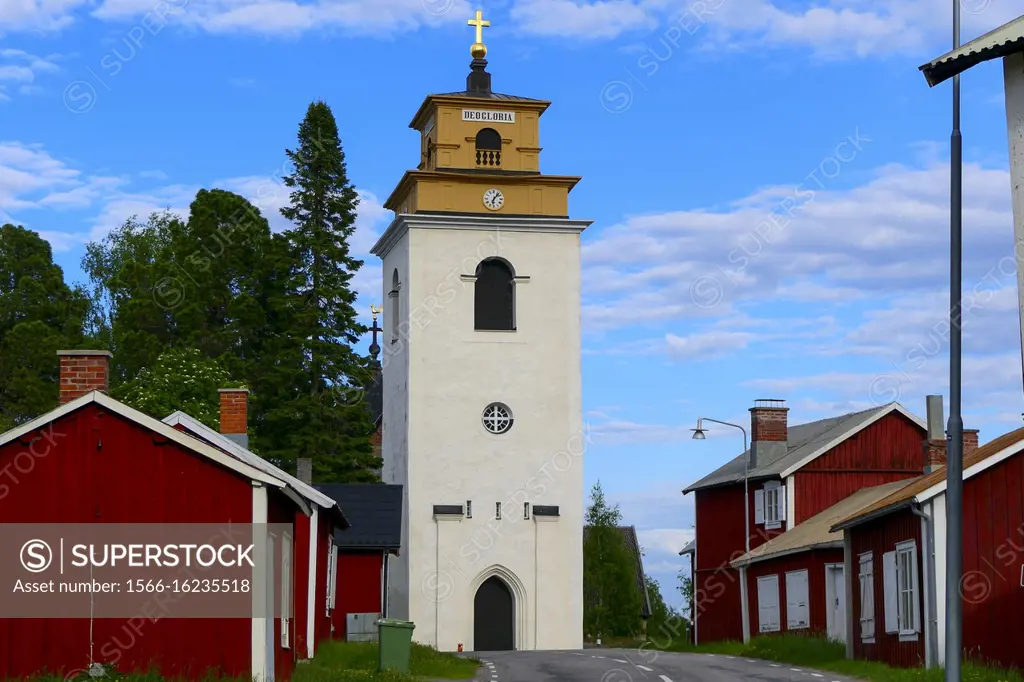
<point x="822" y="654"/>
<point x="334" y="662"/>
<point x="353" y="661"/>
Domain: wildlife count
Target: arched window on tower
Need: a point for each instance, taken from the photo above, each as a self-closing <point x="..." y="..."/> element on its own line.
<point x="488" y="148"/>
<point x="392" y="310"/>
<point x="495" y="304"/>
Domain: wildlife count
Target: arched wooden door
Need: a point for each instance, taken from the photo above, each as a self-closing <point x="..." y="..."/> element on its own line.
<point x="493" y="617"/>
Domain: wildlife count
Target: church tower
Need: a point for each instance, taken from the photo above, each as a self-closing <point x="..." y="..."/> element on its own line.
<point x="482" y="413"/>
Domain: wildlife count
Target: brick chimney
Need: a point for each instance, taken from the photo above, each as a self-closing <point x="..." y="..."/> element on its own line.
<point x="970" y="441"/>
<point x="769" y="430"/>
<point x="304" y="470"/>
<point x="83" y="371"/>
<point x="234" y="415"/>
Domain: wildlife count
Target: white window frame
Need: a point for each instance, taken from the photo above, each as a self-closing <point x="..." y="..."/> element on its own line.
<point x="770" y="505"/>
<point x="908" y="591"/>
<point x="286" y="591"/>
<point x="791" y="575"/>
<point x="867" y="597"/>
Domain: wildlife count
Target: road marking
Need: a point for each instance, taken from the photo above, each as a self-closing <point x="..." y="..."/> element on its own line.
<point x="774" y="665"/>
<point x="644" y="667"/>
<point x="619" y="660"/>
<point x="816" y="675"/>
<point x="597" y="657"/>
<point x="664" y="678"/>
<point x="574" y="653"/>
<point x="796" y="670"/>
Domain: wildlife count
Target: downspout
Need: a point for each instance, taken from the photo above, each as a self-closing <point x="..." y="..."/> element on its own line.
<point x="928" y="552"/>
<point x="848" y="578"/>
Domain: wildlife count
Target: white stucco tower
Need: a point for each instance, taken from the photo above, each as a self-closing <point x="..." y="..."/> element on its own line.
<point x="482" y="420"/>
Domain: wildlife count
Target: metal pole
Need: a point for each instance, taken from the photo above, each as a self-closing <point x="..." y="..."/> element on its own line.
<point x="746" y="472"/>
<point x="955" y="426"/>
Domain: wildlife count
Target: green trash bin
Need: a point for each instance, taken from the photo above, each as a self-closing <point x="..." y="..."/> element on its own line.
<point x="394" y="643"/>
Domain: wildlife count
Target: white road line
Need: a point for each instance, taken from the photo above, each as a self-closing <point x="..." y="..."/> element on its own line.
<point x="774" y="665"/>
<point x="817" y="675"/>
<point x="664" y="678"/>
<point x="644" y="667"/>
<point x="597" y="656"/>
<point x="574" y="653"/>
<point x="619" y="660"/>
<point x="796" y="670"/>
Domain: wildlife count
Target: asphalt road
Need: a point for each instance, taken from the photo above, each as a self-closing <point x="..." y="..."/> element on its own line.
<point x="631" y="665"/>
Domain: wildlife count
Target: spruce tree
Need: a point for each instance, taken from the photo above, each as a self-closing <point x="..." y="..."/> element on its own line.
<point x="328" y="425"/>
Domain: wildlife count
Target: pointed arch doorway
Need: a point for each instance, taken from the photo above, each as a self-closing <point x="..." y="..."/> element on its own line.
<point x="494" y="616"/>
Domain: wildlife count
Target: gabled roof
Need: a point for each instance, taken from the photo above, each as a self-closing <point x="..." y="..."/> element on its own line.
<point x="204" y="432"/>
<point x="816" y="532"/>
<point x="633" y="545"/>
<point x="925" y="488"/>
<point x="1005" y="40"/>
<point x="691" y="548"/>
<point x="374" y="511"/>
<point x="807" y="442"/>
<point x="183" y="439"/>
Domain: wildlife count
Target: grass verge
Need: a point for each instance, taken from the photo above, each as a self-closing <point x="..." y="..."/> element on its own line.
<point x="815" y="652"/>
<point x="345" y="661"/>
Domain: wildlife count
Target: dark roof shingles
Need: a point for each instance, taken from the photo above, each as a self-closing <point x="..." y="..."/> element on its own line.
<point x="374" y="512"/>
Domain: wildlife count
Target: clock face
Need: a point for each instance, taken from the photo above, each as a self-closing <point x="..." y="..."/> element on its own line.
<point x="494" y="199"/>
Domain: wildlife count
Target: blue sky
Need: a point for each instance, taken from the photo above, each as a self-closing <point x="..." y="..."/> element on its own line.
<point x="768" y="182"/>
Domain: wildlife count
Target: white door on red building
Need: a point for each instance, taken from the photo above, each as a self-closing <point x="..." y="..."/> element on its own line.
<point x="835" y="594"/>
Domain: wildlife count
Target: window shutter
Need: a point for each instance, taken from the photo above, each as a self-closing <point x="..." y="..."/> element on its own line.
<point x="286" y="591"/>
<point x="917" y="590"/>
<point x="891" y="587"/>
<point x="867" y="597"/>
<point x="759" y="507"/>
<point x="768" y="603"/>
<point x="782" y="502"/>
<point x="797" y="616"/>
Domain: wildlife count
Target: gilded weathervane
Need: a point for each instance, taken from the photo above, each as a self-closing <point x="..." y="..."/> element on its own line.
<point x="479" y="50"/>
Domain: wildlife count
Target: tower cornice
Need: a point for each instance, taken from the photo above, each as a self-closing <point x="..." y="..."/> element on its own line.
<point x="461" y="221"/>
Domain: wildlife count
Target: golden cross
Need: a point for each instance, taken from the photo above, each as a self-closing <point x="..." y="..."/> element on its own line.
<point x="480" y="24"/>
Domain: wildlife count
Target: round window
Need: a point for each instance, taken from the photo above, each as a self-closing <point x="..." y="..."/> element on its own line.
<point x="497" y="418"/>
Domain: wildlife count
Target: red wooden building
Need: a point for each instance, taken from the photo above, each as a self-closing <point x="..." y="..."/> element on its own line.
<point x="796" y="582"/>
<point x="362" y="551"/>
<point x="318" y="518"/>
<point x="897" y="549"/>
<point x="95" y="460"/>
<point x="793" y="473"/>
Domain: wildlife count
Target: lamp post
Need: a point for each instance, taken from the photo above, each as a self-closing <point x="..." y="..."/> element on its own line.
<point x="698" y="434"/>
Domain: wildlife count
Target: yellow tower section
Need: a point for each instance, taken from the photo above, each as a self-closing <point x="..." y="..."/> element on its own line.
<point x="480" y="152"/>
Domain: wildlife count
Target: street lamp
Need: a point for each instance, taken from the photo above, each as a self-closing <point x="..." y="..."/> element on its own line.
<point x="698" y="434"/>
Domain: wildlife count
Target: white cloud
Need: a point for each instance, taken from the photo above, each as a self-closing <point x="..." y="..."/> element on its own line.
<point x="19" y="71"/>
<point x="707" y="344"/>
<point x="37" y="15"/>
<point x="807" y="242"/>
<point x="294" y="17"/>
<point x="595" y="20"/>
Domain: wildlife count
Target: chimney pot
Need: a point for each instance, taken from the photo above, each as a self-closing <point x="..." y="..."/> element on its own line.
<point x="304" y="470"/>
<point x="83" y="371"/>
<point x="234" y="414"/>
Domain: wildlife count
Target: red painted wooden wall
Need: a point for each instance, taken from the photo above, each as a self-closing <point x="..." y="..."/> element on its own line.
<point x="889" y="450"/>
<point x="994" y="564"/>
<point x="878" y="537"/>
<point x="359" y="576"/>
<point x="131" y="478"/>
<point x="814" y="563"/>
<point x="720" y="541"/>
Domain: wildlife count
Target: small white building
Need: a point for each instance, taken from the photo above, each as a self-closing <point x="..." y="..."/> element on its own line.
<point x="482" y="413"/>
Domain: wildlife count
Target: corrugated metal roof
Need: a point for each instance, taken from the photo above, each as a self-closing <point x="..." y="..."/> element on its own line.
<point x="1005" y="40"/>
<point x="907" y="494"/>
<point x="804" y="440"/>
<point x="817" y="530"/>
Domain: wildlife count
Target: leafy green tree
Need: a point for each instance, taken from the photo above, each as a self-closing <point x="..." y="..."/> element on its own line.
<point x="666" y="624"/>
<point x="685" y="588"/>
<point x="39" y="315"/>
<point x="183" y="380"/>
<point x="320" y="419"/>
<point x="611" y="596"/>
